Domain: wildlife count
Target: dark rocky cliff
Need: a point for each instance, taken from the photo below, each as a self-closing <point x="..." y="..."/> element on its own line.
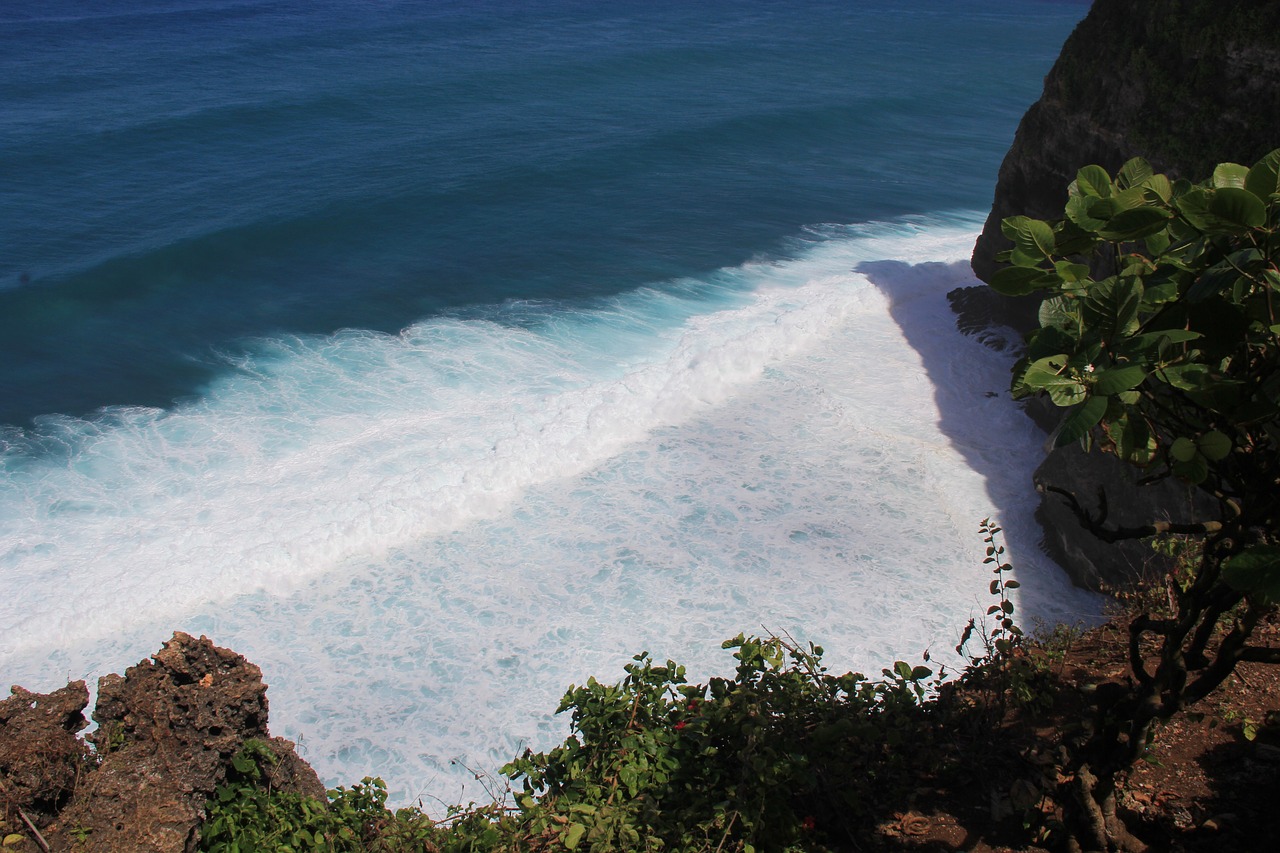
<point x="1184" y="83"/>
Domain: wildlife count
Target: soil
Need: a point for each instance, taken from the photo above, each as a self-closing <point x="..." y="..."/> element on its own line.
<point x="1212" y="778"/>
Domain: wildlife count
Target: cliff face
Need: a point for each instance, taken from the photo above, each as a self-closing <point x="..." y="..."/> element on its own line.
<point x="1184" y="83"/>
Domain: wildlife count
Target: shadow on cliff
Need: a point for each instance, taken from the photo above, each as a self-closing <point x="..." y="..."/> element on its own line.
<point x="975" y="412"/>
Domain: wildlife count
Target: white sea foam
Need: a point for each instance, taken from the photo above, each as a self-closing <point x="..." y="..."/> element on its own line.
<point x="424" y="538"/>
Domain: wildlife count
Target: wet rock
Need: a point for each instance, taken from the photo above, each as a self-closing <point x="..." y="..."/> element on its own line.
<point x="41" y="757"/>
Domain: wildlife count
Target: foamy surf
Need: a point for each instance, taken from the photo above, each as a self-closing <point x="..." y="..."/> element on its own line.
<point x="424" y="538"/>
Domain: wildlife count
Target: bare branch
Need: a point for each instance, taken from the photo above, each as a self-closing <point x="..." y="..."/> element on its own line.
<point x="1260" y="654"/>
<point x="1097" y="526"/>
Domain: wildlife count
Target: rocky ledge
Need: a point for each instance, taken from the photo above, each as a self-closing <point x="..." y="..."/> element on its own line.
<point x="167" y="731"/>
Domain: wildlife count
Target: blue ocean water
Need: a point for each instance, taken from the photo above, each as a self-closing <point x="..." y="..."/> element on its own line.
<point x="434" y="355"/>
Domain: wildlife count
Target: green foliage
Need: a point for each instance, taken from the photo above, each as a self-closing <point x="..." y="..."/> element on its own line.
<point x="781" y="756"/>
<point x="1160" y="337"/>
<point x="1169" y="360"/>
<point x="1003" y="667"/>
<point x="247" y="815"/>
<point x="778" y="757"/>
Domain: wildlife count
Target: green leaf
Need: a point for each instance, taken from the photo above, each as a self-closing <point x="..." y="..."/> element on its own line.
<point x="573" y="835"/>
<point x="1158" y="186"/>
<point x="1071" y="273"/>
<point x="1059" y="313"/>
<point x="1183" y="449"/>
<point x="1152" y="346"/>
<point x="1082" y="419"/>
<point x="1133" y="173"/>
<point x="1017" y="281"/>
<point x="1049" y="375"/>
<point x="1223" y="275"/>
<point x="1033" y="238"/>
<point x="1117" y="379"/>
<point x="1078" y="211"/>
<point x="1187" y="377"/>
<point x="1112" y="306"/>
<point x="1093" y="181"/>
<point x="1255" y="571"/>
<point x="1136" y="223"/>
<point x="1264" y="178"/>
<point x="1238" y="206"/>
<point x="1230" y="175"/>
<point x="1194" y="205"/>
<point x="1214" y="445"/>
<point x="1133" y="439"/>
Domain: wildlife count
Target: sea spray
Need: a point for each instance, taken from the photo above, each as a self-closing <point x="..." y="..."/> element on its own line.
<point x="424" y="538"/>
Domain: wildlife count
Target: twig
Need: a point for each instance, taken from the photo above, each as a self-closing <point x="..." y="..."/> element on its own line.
<point x="44" y="845"/>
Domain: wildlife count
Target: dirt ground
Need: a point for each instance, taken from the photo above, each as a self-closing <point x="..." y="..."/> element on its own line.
<point x="1211" y="783"/>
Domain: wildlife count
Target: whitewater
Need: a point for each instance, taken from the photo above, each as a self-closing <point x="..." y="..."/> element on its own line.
<point x="424" y="538"/>
<point x="437" y="356"/>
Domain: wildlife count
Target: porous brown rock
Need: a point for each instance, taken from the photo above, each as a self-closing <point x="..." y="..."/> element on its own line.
<point x="41" y="756"/>
<point x="167" y="731"/>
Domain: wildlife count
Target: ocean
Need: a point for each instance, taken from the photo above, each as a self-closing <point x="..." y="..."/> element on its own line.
<point x="438" y="355"/>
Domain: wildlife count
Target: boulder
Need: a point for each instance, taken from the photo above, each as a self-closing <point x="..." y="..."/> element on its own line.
<point x="41" y="756"/>
<point x="167" y="731"/>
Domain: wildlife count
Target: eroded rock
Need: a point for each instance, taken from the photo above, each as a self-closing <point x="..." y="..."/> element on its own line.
<point x="41" y="756"/>
<point x="167" y="731"/>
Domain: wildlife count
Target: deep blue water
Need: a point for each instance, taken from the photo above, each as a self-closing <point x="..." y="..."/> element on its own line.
<point x="435" y="356"/>
<point x="178" y="178"/>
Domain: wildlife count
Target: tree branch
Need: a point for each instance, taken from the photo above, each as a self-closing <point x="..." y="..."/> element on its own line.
<point x="1260" y="654"/>
<point x="1097" y="526"/>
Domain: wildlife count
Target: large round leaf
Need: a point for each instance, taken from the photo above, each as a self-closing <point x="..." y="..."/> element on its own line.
<point x="1214" y="445"/>
<point x="1135" y="223"/>
<point x="1118" y="379"/>
<point x="1238" y="206"/>
<point x="1230" y="175"/>
<point x="1183" y="449"/>
<point x="1017" y="281"/>
<point x="1255" y="571"/>
<point x="1133" y="173"/>
<point x="1112" y="306"/>
<point x="1094" y="181"/>
<point x="1082" y="419"/>
<point x="1264" y="177"/>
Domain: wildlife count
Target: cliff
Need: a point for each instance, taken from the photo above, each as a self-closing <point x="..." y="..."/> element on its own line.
<point x="1185" y="84"/>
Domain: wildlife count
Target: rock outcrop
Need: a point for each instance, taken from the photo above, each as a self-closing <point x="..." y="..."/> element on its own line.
<point x="167" y="731"/>
<point x="1185" y="84"/>
<point x="41" y="756"/>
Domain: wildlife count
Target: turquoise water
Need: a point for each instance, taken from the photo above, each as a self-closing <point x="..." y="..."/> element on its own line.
<point x="437" y="355"/>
